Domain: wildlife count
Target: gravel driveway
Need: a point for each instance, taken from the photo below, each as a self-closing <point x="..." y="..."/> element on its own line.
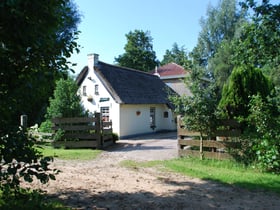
<point x="158" y="146"/>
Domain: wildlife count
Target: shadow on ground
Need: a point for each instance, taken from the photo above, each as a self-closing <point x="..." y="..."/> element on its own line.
<point x="207" y="195"/>
<point x="156" y="135"/>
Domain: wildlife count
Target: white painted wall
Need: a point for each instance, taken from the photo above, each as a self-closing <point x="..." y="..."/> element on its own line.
<point x="94" y="106"/>
<point x="132" y="124"/>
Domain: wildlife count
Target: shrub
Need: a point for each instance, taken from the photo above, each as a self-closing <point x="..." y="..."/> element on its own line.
<point x="21" y="160"/>
<point x="46" y="126"/>
<point x="115" y="137"/>
<point x="264" y="135"/>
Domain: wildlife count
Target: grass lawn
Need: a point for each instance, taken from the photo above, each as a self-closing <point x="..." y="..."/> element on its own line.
<point x="69" y="154"/>
<point x="29" y="200"/>
<point x="226" y="172"/>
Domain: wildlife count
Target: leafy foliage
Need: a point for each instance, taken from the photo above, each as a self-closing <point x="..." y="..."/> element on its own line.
<point x="264" y="124"/>
<point x="177" y="55"/>
<point x="139" y="52"/>
<point x="244" y="81"/>
<point x="241" y="59"/>
<point x="259" y="42"/>
<point x="65" y="102"/>
<point x="221" y="23"/>
<point x="221" y="63"/>
<point x="28" y="200"/>
<point x="20" y="160"/>
<point x="199" y="109"/>
<point x="36" y="39"/>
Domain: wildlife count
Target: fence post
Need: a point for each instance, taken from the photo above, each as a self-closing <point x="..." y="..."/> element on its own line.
<point x="23" y="121"/>
<point x="98" y="129"/>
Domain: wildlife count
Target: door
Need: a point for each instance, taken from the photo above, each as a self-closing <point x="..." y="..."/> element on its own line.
<point x="153" y="117"/>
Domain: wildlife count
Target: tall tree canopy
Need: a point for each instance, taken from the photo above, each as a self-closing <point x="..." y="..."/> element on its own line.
<point x="221" y="23"/>
<point x="177" y="55"/>
<point x="139" y="52"/>
<point x="36" y="38"/>
<point x="259" y="43"/>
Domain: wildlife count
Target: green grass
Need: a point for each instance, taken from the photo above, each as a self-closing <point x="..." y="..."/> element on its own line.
<point x="69" y="154"/>
<point x="29" y="200"/>
<point x="226" y="172"/>
<point x="135" y="165"/>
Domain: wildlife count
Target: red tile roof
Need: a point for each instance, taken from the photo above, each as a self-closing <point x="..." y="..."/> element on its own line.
<point x="170" y="69"/>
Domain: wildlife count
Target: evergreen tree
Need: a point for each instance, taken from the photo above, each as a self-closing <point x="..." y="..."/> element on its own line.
<point x="244" y="82"/>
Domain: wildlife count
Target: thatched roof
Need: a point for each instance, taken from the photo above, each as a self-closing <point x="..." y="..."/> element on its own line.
<point x="130" y="86"/>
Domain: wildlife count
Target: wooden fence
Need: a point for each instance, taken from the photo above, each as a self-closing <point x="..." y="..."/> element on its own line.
<point x="218" y="147"/>
<point x="82" y="132"/>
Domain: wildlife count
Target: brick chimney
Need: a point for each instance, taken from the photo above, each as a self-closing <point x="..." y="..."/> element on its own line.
<point x="92" y="61"/>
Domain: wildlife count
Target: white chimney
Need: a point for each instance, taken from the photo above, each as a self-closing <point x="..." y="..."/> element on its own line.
<point x="92" y="61"/>
<point x="156" y="72"/>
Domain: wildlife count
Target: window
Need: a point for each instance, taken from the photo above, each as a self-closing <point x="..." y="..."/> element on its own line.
<point x="165" y="114"/>
<point x="105" y="114"/>
<point x="84" y="90"/>
<point x="153" y="117"/>
<point x="96" y="92"/>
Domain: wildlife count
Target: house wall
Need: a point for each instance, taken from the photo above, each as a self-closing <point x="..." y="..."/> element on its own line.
<point x="133" y="123"/>
<point x="95" y="105"/>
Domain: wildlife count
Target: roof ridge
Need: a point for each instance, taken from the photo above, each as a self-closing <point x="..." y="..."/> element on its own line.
<point x="127" y="68"/>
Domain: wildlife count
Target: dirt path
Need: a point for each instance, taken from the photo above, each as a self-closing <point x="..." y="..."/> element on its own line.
<point x="105" y="184"/>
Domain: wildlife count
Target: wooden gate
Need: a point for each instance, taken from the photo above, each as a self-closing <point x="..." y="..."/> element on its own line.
<point x="82" y="132"/>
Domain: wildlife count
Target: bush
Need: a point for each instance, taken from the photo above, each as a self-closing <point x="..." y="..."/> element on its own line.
<point x="263" y="144"/>
<point x="46" y="126"/>
<point x="268" y="155"/>
<point x="21" y="160"/>
<point x="28" y="200"/>
<point x="115" y="137"/>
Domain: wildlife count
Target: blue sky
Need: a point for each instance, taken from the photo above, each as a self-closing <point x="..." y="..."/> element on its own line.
<point x="104" y="24"/>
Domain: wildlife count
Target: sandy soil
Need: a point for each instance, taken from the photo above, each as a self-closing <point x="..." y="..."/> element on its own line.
<point x="103" y="183"/>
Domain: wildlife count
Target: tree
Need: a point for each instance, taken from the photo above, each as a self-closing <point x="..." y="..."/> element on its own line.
<point x="139" y="52"/>
<point x="198" y="110"/>
<point x="244" y="82"/>
<point x="177" y="55"/>
<point x="65" y="102"/>
<point x="221" y="23"/>
<point x="36" y="40"/>
<point x="259" y="42"/>
<point x="221" y="63"/>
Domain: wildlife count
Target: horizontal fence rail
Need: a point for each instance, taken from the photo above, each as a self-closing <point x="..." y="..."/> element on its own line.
<point x="218" y="147"/>
<point x="83" y="132"/>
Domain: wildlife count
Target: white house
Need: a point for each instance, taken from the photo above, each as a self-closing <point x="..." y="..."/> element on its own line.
<point x="136" y="102"/>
